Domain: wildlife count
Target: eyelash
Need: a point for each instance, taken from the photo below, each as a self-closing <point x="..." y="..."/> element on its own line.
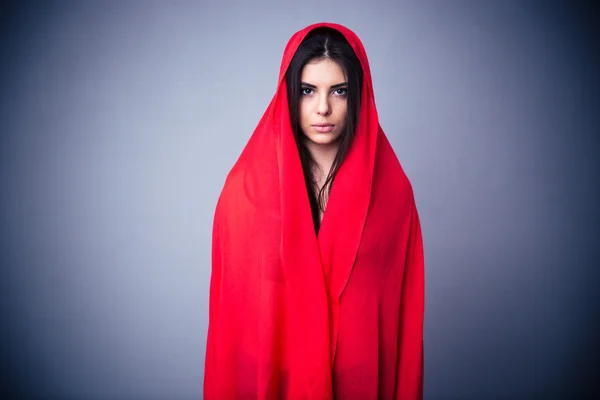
<point x="345" y="91"/>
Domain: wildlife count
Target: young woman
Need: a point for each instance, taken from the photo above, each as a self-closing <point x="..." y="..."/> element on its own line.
<point x="317" y="272"/>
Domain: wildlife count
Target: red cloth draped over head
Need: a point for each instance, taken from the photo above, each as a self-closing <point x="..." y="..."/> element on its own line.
<point x="297" y="315"/>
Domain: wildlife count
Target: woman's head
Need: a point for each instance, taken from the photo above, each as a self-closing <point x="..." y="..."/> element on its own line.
<point x="324" y="82"/>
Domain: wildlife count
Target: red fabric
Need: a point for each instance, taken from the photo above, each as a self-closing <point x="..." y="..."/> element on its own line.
<point x="294" y="315"/>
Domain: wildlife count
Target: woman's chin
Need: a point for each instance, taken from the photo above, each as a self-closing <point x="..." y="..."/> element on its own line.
<point x="322" y="140"/>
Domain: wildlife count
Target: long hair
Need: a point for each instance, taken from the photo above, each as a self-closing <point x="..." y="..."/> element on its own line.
<point x="324" y="43"/>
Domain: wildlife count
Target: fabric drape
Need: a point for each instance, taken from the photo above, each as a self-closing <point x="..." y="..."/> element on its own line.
<point x="296" y="315"/>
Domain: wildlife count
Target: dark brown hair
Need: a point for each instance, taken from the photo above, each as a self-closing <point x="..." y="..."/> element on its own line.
<point x="322" y="43"/>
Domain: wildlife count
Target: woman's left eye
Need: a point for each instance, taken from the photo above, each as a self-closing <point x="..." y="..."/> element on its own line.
<point x="341" y="92"/>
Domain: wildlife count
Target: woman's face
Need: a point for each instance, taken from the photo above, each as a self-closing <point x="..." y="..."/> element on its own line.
<point x="323" y="102"/>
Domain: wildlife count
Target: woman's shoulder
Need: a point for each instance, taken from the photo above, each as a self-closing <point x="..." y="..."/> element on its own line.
<point x="389" y="172"/>
<point x="251" y="184"/>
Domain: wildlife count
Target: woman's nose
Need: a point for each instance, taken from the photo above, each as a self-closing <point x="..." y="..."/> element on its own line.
<point x="323" y="106"/>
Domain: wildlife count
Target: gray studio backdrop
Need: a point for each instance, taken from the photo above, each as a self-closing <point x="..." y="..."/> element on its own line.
<point x="120" y="120"/>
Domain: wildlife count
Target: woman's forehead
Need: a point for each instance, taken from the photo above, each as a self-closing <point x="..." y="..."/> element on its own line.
<point x="323" y="72"/>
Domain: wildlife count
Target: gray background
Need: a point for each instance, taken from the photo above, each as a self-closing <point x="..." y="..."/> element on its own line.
<point x="120" y="120"/>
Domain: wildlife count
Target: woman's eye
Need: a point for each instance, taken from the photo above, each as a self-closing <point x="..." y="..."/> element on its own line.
<point x="306" y="91"/>
<point x="341" y="92"/>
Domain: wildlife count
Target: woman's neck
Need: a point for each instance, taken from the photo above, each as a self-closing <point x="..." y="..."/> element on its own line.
<point x="323" y="155"/>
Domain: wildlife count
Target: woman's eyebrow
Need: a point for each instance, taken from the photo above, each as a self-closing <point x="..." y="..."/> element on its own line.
<point x="336" y="86"/>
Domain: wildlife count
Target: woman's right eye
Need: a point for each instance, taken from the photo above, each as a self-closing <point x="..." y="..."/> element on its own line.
<point x="306" y="91"/>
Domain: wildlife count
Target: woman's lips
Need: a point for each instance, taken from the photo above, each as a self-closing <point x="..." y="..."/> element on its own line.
<point x="323" y="128"/>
